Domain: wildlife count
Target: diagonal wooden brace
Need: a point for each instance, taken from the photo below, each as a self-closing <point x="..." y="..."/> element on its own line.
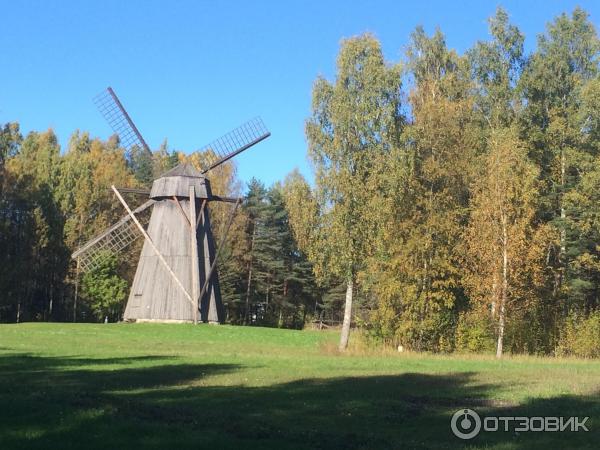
<point x="185" y="217"/>
<point x="201" y="213"/>
<point x="214" y="263"/>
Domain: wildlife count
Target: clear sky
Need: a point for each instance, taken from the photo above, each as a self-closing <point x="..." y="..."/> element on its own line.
<point x="190" y="71"/>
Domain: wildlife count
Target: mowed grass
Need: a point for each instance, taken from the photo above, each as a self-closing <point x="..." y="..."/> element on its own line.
<point x="118" y="386"/>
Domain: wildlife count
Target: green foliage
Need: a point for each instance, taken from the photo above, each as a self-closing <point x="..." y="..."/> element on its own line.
<point x="496" y="67"/>
<point x="142" y="165"/>
<point x="353" y="120"/>
<point x="104" y="290"/>
<point x="32" y="250"/>
<point x="10" y="141"/>
<point x="163" y="160"/>
<point x="487" y="197"/>
<point x="474" y="333"/>
<point x="280" y="286"/>
<point x="580" y="336"/>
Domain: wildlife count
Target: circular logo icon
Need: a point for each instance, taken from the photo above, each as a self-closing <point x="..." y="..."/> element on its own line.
<point x="465" y="424"/>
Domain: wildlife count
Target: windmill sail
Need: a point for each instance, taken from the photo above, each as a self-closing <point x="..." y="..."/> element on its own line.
<point x="113" y="111"/>
<point x="234" y="143"/>
<point x="115" y="239"/>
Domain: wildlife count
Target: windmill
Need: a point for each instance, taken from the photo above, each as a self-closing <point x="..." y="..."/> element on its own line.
<point x="176" y="278"/>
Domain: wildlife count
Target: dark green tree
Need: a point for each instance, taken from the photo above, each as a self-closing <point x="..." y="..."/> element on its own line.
<point x="105" y="290"/>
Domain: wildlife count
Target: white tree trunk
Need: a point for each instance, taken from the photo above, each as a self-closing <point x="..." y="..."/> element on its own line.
<point x="563" y="216"/>
<point x="347" y="316"/>
<point x="504" y="293"/>
<point x="494" y="295"/>
<point x="50" y="304"/>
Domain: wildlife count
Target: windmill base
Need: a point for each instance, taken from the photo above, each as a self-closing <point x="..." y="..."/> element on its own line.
<point x="164" y="321"/>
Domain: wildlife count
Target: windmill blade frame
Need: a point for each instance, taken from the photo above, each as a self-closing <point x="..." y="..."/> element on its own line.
<point x="234" y="142"/>
<point x="119" y="120"/>
<point x="114" y="239"/>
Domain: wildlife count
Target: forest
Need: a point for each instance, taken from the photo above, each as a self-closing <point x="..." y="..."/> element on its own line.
<point x="455" y="204"/>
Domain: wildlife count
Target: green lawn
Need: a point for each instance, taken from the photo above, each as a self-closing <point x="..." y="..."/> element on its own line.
<point x="123" y="386"/>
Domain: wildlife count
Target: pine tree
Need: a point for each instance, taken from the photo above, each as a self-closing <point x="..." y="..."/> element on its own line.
<point x="142" y="165"/>
<point x="254" y="206"/>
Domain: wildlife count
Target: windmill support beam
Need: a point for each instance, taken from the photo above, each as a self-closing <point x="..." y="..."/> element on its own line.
<point x="145" y="192"/>
<point x="219" y="248"/>
<point x="195" y="278"/>
<point x="149" y="240"/>
<point x="213" y="198"/>
<point x="201" y="213"/>
<point x="218" y="198"/>
<point x="187" y="219"/>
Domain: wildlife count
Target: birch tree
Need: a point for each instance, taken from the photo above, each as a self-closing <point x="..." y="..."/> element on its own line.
<point x="354" y="119"/>
<point x="502" y="211"/>
<point x="414" y="273"/>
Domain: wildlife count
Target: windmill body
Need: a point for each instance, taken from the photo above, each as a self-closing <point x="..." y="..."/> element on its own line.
<point x="176" y="278"/>
<point x="155" y="296"/>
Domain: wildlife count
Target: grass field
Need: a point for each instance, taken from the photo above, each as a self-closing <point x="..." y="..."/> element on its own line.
<point x="117" y="386"/>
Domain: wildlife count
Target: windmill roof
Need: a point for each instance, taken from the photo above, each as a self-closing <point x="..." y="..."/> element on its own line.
<point x="183" y="170"/>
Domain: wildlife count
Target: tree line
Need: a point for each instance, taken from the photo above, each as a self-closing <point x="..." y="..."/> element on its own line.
<point x="456" y="195"/>
<point x="51" y="202"/>
<point x="454" y="205"/>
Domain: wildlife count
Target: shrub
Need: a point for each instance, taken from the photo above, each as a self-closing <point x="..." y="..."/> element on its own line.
<point x="104" y="290"/>
<point x="474" y="333"/>
<point x="580" y="336"/>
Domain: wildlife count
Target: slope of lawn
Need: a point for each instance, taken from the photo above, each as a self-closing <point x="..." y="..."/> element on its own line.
<point x="73" y="386"/>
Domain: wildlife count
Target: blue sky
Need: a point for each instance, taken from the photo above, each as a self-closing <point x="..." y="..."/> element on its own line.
<point x="191" y="71"/>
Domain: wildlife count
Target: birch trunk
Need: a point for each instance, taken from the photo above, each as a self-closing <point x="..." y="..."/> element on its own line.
<point x="347" y="316"/>
<point x="563" y="233"/>
<point x="494" y="295"/>
<point x="504" y="293"/>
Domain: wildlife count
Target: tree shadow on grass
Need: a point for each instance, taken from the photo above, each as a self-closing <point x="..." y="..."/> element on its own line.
<point x="51" y="402"/>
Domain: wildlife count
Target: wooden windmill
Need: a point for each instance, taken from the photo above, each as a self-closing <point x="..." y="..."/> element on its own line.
<point x="176" y="278"/>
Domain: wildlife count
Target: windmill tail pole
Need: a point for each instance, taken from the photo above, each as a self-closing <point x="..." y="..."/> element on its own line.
<point x="214" y="264"/>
